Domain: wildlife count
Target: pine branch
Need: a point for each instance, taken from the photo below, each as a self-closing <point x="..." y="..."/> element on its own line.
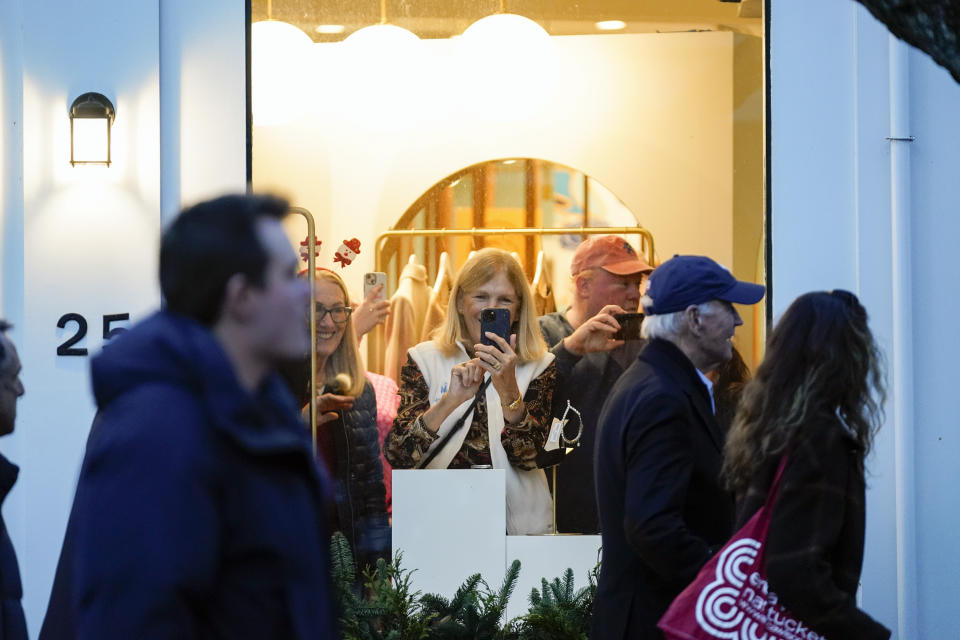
<point x="568" y="585"/>
<point x="465" y="593"/>
<point x="534" y="598"/>
<point x="546" y="592"/>
<point x="341" y="559"/>
<point x="435" y="603"/>
<point x="509" y="584"/>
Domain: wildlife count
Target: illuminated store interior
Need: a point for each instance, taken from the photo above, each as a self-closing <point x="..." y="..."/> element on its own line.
<point x="484" y="115"/>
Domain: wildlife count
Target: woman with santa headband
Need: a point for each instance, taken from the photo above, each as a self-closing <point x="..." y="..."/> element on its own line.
<point x="347" y="436"/>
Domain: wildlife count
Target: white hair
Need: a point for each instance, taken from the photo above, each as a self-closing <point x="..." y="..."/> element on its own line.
<point x="667" y="326"/>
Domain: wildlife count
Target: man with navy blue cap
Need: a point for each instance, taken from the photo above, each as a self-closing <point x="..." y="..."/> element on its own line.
<point x="663" y="510"/>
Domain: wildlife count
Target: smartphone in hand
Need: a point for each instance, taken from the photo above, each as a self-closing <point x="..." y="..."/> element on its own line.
<point x="371" y="280"/>
<point x="629" y="326"/>
<point x="495" y="320"/>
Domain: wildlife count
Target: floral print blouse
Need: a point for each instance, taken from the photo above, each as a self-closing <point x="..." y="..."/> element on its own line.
<point x="408" y="440"/>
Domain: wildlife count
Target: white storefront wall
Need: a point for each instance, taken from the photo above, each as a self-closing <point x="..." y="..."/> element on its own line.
<point x="840" y="86"/>
<point x="84" y="240"/>
<point x="175" y="72"/>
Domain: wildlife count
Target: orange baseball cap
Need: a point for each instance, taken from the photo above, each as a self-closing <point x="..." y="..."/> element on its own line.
<point x="610" y="253"/>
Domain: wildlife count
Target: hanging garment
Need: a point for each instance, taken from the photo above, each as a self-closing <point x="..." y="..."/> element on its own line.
<point x="408" y="308"/>
<point x="439" y="298"/>
<point x="543" y="298"/>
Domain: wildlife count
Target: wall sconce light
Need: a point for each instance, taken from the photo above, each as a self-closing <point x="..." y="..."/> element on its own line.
<point x="91" y="116"/>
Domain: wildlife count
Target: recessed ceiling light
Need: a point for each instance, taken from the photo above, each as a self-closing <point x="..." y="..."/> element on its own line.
<point x="329" y="28"/>
<point x="610" y="25"/>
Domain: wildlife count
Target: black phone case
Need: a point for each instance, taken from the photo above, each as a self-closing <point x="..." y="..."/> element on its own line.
<point x="629" y="326"/>
<point x="494" y="320"/>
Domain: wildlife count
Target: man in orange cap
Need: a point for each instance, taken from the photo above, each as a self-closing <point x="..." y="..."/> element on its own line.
<point x="607" y="274"/>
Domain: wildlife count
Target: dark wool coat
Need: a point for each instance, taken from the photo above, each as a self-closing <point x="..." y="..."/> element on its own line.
<point x="13" y="626"/>
<point x="199" y="509"/>
<point x="814" y="549"/>
<point x="663" y="511"/>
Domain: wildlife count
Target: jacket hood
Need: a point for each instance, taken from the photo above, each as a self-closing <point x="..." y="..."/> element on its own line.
<point x="172" y="350"/>
<point x="165" y="348"/>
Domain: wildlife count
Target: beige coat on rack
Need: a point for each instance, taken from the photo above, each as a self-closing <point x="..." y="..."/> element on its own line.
<point x="543" y="297"/>
<point x="408" y="307"/>
<point x="439" y="297"/>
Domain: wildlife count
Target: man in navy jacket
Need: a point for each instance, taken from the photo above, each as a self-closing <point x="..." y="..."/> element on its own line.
<point x="663" y="511"/>
<point x="13" y="626"/>
<point x="199" y="511"/>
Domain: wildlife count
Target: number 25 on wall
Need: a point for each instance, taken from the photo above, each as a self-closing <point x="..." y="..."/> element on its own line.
<point x="67" y="348"/>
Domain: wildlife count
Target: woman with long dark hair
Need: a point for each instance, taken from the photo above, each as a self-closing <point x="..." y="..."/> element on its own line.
<point x="816" y="400"/>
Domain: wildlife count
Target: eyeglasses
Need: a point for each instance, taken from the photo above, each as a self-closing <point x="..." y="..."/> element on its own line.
<point x="339" y="315"/>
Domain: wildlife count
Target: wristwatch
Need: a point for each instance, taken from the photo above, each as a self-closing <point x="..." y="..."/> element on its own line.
<point x="513" y="406"/>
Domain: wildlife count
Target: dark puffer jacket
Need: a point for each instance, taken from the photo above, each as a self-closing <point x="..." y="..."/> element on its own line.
<point x="360" y="494"/>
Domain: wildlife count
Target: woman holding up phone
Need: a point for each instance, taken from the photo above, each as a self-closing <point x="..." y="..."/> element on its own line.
<point x="470" y="397"/>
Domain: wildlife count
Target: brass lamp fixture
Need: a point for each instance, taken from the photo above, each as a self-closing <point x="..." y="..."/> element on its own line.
<point x="91" y="118"/>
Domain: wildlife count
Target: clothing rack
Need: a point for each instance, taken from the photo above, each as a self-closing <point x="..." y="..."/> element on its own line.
<point x="647" y="246"/>
<point x="375" y="339"/>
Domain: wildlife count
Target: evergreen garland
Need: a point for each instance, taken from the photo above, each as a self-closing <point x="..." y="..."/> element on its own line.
<point x="389" y="609"/>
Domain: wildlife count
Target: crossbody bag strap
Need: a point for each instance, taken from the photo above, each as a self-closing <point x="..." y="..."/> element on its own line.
<point x="457" y="426"/>
<point x="775" y="485"/>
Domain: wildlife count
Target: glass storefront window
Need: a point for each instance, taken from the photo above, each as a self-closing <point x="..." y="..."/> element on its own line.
<point x="658" y="123"/>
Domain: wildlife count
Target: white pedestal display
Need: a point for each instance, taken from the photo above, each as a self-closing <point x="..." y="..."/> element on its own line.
<point x="450" y="524"/>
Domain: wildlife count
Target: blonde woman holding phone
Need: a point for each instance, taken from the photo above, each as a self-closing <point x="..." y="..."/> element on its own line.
<point x="465" y="403"/>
